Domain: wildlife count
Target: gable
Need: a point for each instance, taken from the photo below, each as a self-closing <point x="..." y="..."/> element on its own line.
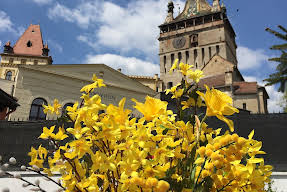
<point x="217" y="65"/>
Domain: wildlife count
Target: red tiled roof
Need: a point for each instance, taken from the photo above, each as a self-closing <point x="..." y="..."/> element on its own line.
<point x="245" y="87"/>
<point x="213" y="81"/>
<point x="32" y="34"/>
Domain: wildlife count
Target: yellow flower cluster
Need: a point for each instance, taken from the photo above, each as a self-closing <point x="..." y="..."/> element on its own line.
<point x="159" y="152"/>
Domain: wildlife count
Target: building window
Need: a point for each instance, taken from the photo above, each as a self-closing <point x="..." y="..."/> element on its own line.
<point x="244" y="106"/>
<point x="35" y="62"/>
<point x="156" y="89"/>
<point x="179" y="57"/>
<point x="169" y="85"/>
<point x="186" y="57"/>
<point x="195" y="55"/>
<point x="23" y="61"/>
<point x="172" y="59"/>
<point x="11" y="60"/>
<point x="8" y="75"/>
<point x="209" y="49"/>
<point x="29" y="44"/>
<point x="203" y="55"/>
<point x="64" y="109"/>
<point x="164" y="63"/>
<point x="217" y="49"/>
<point x="36" y="112"/>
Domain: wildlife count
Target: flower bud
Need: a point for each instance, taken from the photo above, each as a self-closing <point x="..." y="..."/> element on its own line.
<point x="17" y="176"/>
<point x="6" y="166"/>
<point x="37" y="182"/>
<point x="36" y="168"/>
<point x="23" y="168"/>
<point x="25" y="185"/>
<point x="12" y="161"/>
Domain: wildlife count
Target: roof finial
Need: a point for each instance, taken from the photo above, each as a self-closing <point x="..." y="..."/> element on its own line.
<point x="216" y="5"/>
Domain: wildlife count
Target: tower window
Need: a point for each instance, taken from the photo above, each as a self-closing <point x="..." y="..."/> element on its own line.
<point x="172" y="59"/>
<point x="23" y="61"/>
<point x="35" y="62"/>
<point x="11" y="60"/>
<point x="194" y="40"/>
<point x="186" y="57"/>
<point x="169" y="85"/>
<point x="195" y="55"/>
<point x="244" y="106"/>
<point x="8" y="75"/>
<point x="29" y="44"/>
<point x="179" y="57"/>
<point x="164" y="63"/>
<point x="203" y="55"/>
<point x="217" y="49"/>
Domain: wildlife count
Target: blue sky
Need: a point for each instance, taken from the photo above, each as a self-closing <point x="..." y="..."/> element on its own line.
<point x="123" y="33"/>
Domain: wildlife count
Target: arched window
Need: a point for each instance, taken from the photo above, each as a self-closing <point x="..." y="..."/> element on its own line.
<point x="8" y="76"/>
<point x="65" y="107"/>
<point x="36" y="112"/>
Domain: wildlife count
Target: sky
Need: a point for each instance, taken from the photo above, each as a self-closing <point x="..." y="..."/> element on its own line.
<point x="123" y="33"/>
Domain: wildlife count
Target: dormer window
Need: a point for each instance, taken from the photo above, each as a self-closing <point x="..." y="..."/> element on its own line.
<point x="29" y="44"/>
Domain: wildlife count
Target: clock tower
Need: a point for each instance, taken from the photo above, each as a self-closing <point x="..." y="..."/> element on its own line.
<point x="195" y="36"/>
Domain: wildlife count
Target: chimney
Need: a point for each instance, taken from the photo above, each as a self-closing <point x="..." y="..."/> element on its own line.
<point x="228" y="77"/>
<point x="45" y="50"/>
<point x="156" y="77"/>
<point x="8" y="48"/>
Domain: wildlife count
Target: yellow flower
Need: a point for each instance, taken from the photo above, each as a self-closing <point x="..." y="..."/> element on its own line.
<point x="60" y="135"/>
<point x="218" y="104"/>
<point x="184" y="68"/>
<point x="191" y="102"/>
<point x="176" y="93"/>
<point x="47" y="133"/>
<point x="174" y="66"/>
<point x="97" y="83"/>
<point x="52" y="109"/>
<point x="152" y="107"/>
<point x="195" y="75"/>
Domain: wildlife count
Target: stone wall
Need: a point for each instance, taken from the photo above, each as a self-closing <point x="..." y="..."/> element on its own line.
<point x="16" y="138"/>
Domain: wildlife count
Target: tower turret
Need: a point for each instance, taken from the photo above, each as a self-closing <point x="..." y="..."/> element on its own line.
<point x="169" y="16"/>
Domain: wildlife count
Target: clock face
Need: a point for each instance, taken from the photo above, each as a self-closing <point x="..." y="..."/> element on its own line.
<point x="179" y="42"/>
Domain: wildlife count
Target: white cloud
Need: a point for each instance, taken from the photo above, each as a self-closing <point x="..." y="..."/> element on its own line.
<point x="83" y="15"/>
<point x="5" y="22"/>
<point x="274" y="101"/>
<point x="42" y="2"/>
<point x="6" y="25"/>
<point x="0" y="43"/>
<point x="275" y="96"/>
<point x="129" y="65"/>
<point x="250" y="59"/>
<point x="85" y="39"/>
<point x="129" y="28"/>
<point x="55" y="45"/>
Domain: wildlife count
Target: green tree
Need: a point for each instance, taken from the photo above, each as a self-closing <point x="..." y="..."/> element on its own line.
<point x="280" y="76"/>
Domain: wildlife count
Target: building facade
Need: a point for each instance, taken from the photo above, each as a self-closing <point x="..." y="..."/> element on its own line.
<point x="202" y="35"/>
<point x="27" y="73"/>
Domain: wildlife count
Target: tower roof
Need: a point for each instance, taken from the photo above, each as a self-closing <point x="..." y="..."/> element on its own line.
<point x="30" y="43"/>
<point x="194" y="7"/>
